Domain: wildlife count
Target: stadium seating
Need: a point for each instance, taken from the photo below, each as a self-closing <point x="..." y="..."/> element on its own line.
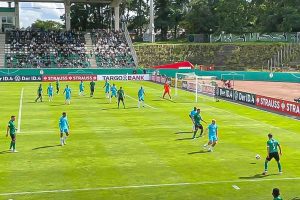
<point x="40" y="49"/>
<point x="111" y="49"/>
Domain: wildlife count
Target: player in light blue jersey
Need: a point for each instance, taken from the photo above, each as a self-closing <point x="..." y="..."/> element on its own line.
<point x="141" y="96"/>
<point x="113" y="90"/>
<point x="212" y="136"/>
<point x="191" y="115"/>
<point x="81" y="88"/>
<point x="64" y="128"/>
<point x="107" y="88"/>
<point x="67" y="92"/>
<point x="50" y="92"/>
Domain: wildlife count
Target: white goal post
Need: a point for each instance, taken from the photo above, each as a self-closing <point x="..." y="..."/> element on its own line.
<point x="194" y="83"/>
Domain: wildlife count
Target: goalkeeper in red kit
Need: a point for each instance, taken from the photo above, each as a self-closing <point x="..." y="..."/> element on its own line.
<point x="167" y="90"/>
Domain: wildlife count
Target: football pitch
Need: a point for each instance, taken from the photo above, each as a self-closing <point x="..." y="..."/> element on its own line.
<point x="144" y="153"/>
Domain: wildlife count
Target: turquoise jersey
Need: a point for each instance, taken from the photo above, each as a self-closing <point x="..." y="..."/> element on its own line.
<point x="63" y="123"/>
<point x="141" y="93"/>
<point x="107" y="87"/>
<point x="193" y="113"/>
<point x="81" y="86"/>
<point x="212" y="129"/>
<point x="68" y="93"/>
<point x="113" y="89"/>
<point x="273" y="145"/>
<point x="50" y="90"/>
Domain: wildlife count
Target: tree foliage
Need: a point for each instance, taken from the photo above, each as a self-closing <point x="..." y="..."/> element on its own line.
<point x="47" y="25"/>
<point x="195" y="16"/>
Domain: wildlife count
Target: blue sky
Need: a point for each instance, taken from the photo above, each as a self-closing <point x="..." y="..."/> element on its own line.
<point x="47" y="11"/>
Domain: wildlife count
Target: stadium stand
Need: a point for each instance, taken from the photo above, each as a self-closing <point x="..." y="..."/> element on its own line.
<point x="60" y="49"/>
<point x="40" y="49"/>
<point x="111" y="49"/>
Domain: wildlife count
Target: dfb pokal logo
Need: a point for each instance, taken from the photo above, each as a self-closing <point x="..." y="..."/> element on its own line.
<point x="236" y="95"/>
<point x="17" y="78"/>
<point x="282" y="105"/>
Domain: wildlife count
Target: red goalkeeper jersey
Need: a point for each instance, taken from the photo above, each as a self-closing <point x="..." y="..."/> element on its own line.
<point x="167" y="87"/>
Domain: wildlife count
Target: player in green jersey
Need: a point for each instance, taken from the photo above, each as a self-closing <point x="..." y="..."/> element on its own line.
<point x="272" y="152"/>
<point x="57" y="86"/>
<point x="198" y="125"/>
<point x="121" y="97"/>
<point x="92" y="88"/>
<point x="276" y="194"/>
<point x="11" y="129"/>
<point x="39" y="93"/>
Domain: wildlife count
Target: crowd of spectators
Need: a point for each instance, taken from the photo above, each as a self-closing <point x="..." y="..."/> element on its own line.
<point x="38" y="48"/>
<point x="111" y="49"/>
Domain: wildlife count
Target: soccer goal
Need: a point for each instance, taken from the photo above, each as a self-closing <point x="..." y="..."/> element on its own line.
<point x="198" y="84"/>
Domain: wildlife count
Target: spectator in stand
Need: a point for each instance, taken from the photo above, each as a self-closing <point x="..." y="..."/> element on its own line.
<point x="39" y="48"/>
<point x="111" y="49"/>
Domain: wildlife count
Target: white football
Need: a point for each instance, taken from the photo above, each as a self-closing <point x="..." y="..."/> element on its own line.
<point x="257" y="156"/>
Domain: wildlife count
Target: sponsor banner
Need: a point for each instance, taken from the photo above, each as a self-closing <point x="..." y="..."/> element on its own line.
<point x="125" y="77"/>
<point x="49" y="78"/>
<point x="153" y="78"/>
<point x="287" y="107"/>
<point x="157" y="79"/>
<point x="244" y="97"/>
<point x="184" y="85"/>
<point x="191" y="86"/>
<point x="20" y="78"/>
<point x="163" y="79"/>
<point x="226" y="93"/>
<point x="206" y="89"/>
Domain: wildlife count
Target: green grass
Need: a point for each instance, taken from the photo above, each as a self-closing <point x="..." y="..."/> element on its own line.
<point x="110" y="147"/>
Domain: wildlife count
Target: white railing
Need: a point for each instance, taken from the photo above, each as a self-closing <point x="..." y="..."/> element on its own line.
<point x="129" y="42"/>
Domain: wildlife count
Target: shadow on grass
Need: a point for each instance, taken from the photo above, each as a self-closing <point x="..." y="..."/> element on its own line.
<point x="182" y="132"/>
<point x="189" y="138"/>
<point x="45" y="147"/>
<point x="170" y="100"/>
<point x="33" y="102"/>
<point x="61" y="104"/>
<point x="296" y="198"/>
<point x="256" y="176"/>
<point x="197" y="152"/>
<point x="121" y="108"/>
<point x="5" y="152"/>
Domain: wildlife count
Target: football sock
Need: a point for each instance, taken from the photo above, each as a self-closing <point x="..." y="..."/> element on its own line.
<point x="266" y="165"/>
<point x="14" y="145"/>
<point x="11" y="145"/>
<point x="194" y="134"/>
<point x="279" y="166"/>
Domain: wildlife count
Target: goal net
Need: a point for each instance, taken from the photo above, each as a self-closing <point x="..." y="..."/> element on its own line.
<point x="198" y="84"/>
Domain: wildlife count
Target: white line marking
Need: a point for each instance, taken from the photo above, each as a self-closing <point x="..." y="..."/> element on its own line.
<point x="137" y="101"/>
<point x="144" y="186"/>
<point x="20" y="111"/>
<point x="236" y="187"/>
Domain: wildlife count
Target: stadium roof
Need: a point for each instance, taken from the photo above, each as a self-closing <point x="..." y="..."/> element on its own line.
<point x="61" y="1"/>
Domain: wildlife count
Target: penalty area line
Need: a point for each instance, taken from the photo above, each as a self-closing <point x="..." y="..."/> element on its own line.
<point x="138" y="100"/>
<point x="144" y="186"/>
<point x="20" y="111"/>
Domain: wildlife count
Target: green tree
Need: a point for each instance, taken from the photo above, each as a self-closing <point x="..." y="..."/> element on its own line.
<point x="47" y="25"/>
